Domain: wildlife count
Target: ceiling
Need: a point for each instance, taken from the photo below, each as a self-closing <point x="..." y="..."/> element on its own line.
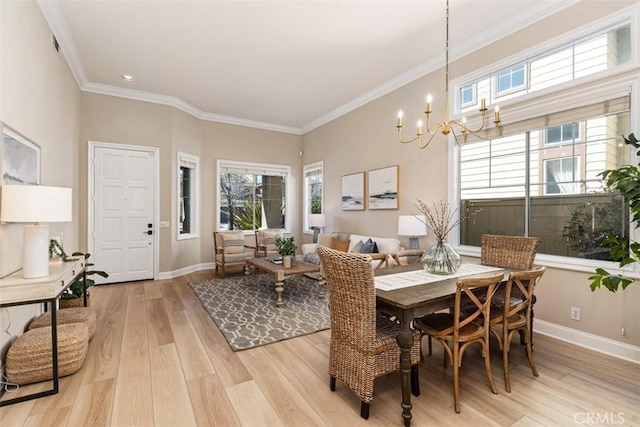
<point x="289" y="66"/>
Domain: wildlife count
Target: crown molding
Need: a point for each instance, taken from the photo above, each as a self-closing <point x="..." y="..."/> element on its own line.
<point x="54" y="17"/>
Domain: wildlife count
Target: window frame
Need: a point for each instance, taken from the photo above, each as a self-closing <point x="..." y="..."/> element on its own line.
<point x="193" y="163"/>
<point x="285" y="170"/>
<point x="575" y="172"/>
<point x="474" y="98"/>
<point x="497" y="93"/>
<point x="305" y="202"/>
<point x="620" y="80"/>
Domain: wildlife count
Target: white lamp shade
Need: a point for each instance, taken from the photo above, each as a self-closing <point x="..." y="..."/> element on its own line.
<point x="35" y="203"/>
<point x="411" y="225"/>
<point x="317" y="220"/>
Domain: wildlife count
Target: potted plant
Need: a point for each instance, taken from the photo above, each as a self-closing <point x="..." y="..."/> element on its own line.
<point x="73" y="295"/>
<point x="286" y="248"/>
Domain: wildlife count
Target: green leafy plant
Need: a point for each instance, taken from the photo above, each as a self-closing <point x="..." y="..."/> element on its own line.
<point x="590" y="224"/>
<point x="285" y="245"/>
<point x="76" y="288"/>
<point x="56" y="249"/>
<point x="626" y="181"/>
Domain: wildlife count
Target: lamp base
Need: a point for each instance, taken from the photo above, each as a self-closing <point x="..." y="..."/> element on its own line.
<point x="414" y="242"/>
<point x="316" y="232"/>
<point x="35" y="251"/>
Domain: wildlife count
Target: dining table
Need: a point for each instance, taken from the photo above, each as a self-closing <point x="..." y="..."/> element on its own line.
<point x="408" y="292"/>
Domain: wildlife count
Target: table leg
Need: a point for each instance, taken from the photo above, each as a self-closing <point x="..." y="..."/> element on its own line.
<point x="247" y="268"/>
<point x="279" y="287"/>
<point x="405" y="342"/>
<point x="322" y="284"/>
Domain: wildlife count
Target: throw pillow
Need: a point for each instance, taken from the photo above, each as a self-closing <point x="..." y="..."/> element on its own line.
<point x="233" y="242"/>
<point x="339" y="245"/>
<point x="312" y="257"/>
<point x="368" y="247"/>
<point x="356" y="248"/>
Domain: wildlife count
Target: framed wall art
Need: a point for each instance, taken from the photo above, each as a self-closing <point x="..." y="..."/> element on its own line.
<point x="20" y="159"/>
<point x="353" y="192"/>
<point x="383" y="188"/>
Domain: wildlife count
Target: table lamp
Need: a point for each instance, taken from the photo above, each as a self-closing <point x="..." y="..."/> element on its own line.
<point x="316" y="222"/>
<point x="412" y="226"/>
<point x="35" y="204"/>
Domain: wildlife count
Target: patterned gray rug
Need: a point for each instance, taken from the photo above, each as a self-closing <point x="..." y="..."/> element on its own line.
<point x="244" y="308"/>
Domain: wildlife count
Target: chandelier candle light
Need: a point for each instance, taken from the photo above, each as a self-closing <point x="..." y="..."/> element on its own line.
<point x="447" y="126"/>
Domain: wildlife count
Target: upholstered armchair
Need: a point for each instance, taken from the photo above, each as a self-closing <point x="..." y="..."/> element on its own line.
<point x="230" y="250"/>
<point x="265" y="242"/>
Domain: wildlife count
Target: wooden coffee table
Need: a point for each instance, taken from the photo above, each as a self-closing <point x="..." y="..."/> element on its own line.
<point x="280" y="273"/>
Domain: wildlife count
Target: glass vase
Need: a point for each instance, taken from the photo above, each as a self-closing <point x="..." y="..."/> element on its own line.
<point x="441" y="259"/>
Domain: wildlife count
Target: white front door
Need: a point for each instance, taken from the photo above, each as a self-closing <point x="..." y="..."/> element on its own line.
<point x="123" y="232"/>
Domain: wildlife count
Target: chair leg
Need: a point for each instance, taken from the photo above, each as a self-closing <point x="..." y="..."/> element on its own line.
<point x="456" y="384"/>
<point x="332" y="383"/>
<point x="487" y="365"/>
<point x="530" y="353"/>
<point x="429" y="345"/>
<point x="505" y="364"/>
<point x="364" y="410"/>
<point x="415" y="380"/>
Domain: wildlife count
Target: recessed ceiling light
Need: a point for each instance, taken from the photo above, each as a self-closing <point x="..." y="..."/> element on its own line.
<point x="127" y="77"/>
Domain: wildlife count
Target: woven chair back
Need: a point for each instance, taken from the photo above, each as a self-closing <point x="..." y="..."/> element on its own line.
<point x="352" y="296"/>
<point x="517" y="252"/>
<point x="474" y="294"/>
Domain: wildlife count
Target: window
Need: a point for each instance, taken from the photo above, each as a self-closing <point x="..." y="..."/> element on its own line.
<point x="562" y="133"/>
<point x="252" y="196"/>
<point x="511" y="80"/>
<point x="188" y="189"/>
<point x="594" y="53"/>
<point x="518" y="185"/>
<point x="313" y="177"/>
<point x="560" y="176"/>
<point x="468" y="95"/>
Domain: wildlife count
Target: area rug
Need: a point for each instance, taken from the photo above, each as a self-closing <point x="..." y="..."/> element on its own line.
<point x="244" y="308"/>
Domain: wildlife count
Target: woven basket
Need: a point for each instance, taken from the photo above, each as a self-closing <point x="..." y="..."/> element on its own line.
<point x="86" y="315"/>
<point x="74" y="302"/>
<point x="29" y="358"/>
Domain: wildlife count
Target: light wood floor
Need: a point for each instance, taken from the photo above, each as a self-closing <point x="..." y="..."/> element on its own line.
<point x="158" y="359"/>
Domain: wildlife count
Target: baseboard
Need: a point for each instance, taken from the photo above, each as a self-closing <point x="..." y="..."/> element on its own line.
<point x="593" y="342"/>
<point x="185" y="270"/>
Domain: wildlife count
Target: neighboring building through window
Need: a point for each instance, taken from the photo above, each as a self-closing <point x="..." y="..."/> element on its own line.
<point x="593" y="54"/>
<point x="541" y="174"/>
<point x="561" y="176"/>
<point x="188" y="189"/>
<point x="252" y="196"/>
<point x="511" y="80"/>
<point x="313" y="183"/>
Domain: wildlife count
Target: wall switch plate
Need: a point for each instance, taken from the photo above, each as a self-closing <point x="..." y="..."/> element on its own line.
<point x="164" y="224"/>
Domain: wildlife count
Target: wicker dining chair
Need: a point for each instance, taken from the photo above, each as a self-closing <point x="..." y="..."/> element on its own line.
<point x="515" y="252"/>
<point x="363" y="344"/>
<point x="456" y="332"/>
<point x="516" y="317"/>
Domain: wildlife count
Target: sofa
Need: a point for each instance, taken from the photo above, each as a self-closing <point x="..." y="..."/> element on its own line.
<point x="379" y="248"/>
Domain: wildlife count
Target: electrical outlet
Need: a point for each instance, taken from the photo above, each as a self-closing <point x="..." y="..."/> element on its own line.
<point x="575" y="313"/>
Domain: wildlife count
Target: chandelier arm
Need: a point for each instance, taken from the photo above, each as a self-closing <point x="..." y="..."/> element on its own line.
<point x="429" y="131"/>
<point x="425" y="145"/>
<point x="408" y="141"/>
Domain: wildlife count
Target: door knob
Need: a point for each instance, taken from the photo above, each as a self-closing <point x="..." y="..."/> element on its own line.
<point x="149" y="232"/>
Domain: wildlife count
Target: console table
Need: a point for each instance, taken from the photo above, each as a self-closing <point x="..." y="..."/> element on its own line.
<point x="14" y="290"/>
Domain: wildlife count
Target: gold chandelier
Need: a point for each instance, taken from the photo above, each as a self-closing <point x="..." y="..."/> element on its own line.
<point x="447" y="126"/>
